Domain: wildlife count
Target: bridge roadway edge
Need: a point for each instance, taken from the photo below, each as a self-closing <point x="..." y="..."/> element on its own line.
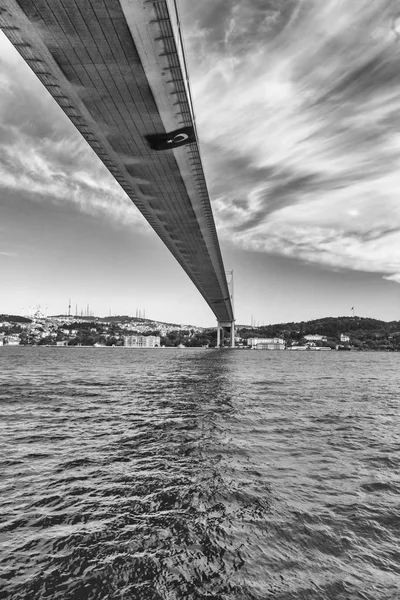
<point x="168" y="188"/>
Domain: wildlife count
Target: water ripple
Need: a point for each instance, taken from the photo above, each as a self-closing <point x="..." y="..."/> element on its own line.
<point x="198" y="475"/>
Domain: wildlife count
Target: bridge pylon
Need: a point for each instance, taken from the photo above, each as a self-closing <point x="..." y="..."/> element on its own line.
<point x="227" y="324"/>
<point x="220" y="332"/>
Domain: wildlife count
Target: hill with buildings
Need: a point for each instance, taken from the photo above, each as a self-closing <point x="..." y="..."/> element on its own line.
<point x="350" y="333"/>
<point x="362" y="333"/>
<point x="89" y="331"/>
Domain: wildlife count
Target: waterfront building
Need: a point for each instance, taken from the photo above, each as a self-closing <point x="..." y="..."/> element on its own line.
<point x="345" y="339"/>
<point x="266" y="343"/>
<point x="316" y="338"/>
<point x="12" y="340"/>
<point x="142" y="341"/>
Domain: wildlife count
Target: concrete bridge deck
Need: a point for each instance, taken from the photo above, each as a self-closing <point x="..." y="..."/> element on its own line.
<point x="115" y="68"/>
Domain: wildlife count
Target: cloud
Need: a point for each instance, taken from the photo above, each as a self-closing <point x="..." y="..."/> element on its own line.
<point x="10" y="254"/>
<point x="297" y="106"/>
<point x="395" y="277"/>
<point x="42" y="155"/>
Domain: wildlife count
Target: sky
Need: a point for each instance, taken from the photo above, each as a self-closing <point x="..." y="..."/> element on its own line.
<point x="297" y="107"/>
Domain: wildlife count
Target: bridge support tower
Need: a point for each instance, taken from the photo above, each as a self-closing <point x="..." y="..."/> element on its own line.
<point x="220" y="332"/>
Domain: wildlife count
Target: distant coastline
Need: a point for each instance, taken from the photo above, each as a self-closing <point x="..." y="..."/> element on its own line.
<point x="334" y="333"/>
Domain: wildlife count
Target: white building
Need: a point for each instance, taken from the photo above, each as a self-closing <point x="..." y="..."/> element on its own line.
<point x="316" y="338"/>
<point x="266" y="343"/>
<point x="142" y="341"/>
<point x="344" y="338"/>
<point x="12" y="340"/>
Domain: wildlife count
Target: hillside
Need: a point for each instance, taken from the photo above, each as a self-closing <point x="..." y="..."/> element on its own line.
<point x="118" y="319"/>
<point x="364" y="333"/>
<point x="14" y="319"/>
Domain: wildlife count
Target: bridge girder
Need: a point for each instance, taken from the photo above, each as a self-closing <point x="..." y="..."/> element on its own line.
<point x="115" y="68"/>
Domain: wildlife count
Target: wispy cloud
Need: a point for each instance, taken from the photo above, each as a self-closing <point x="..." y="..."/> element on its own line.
<point x="10" y="254"/>
<point x="42" y="155"/>
<point x="395" y="278"/>
<point x="297" y="106"/>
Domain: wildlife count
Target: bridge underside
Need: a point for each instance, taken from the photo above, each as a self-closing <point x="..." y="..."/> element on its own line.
<point x="114" y="68"/>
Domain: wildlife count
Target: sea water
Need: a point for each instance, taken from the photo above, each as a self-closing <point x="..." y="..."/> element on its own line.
<point x="199" y="474"/>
